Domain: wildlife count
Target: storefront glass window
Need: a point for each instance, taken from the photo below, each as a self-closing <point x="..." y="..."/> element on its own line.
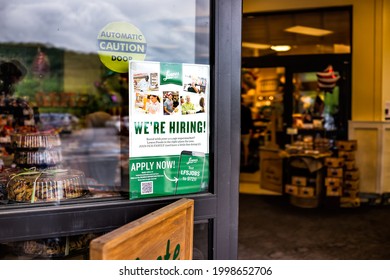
<point x="65" y="93"/>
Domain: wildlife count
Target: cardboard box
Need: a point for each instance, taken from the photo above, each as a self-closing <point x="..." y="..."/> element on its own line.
<point x="347" y="155"/>
<point x="334" y="162"/>
<point x="350" y="193"/>
<point x="299" y="181"/>
<point x="352" y="175"/>
<point x="333" y="191"/>
<point x="352" y="185"/>
<point x="306" y="192"/>
<point x="334" y="172"/>
<point x="348" y="202"/>
<point x="348" y="145"/>
<point x="291" y="189"/>
<point x="350" y="164"/>
<point x="333" y="182"/>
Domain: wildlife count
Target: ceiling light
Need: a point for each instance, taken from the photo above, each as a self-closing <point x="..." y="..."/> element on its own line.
<point x="281" y="48"/>
<point x="255" y="46"/>
<point x="308" y="30"/>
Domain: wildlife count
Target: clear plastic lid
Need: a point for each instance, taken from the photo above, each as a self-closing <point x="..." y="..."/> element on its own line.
<point x="46" y="185"/>
<point x="57" y="247"/>
<point x="46" y="139"/>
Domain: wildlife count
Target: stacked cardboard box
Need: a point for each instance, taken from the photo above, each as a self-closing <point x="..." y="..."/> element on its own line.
<point x="347" y="150"/>
<point x="342" y="176"/>
<point x="301" y="186"/>
<point x="334" y="177"/>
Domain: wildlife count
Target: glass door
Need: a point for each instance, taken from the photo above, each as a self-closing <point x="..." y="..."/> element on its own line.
<point x="67" y="103"/>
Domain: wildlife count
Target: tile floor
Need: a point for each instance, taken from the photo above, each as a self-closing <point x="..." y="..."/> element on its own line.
<point x="270" y="228"/>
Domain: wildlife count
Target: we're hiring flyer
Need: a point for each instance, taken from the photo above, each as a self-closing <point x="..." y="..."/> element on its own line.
<point x="168" y="128"/>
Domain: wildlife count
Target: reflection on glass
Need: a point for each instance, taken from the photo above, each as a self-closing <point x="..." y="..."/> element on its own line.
<point x="201" y="248"/>
<point x="53" y="85"/>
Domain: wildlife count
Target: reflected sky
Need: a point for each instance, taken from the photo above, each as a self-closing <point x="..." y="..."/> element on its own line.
<point x="169" y="26"/>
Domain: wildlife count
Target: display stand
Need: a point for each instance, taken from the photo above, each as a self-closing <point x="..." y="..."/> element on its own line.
<point x="305" y="179"/>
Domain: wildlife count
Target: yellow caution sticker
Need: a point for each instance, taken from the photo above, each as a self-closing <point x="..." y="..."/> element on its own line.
<point x="118" y="43"/>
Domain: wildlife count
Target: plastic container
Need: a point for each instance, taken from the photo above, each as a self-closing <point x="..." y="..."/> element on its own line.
<point x="46" y="185"/>
<point x="58" y="247"/>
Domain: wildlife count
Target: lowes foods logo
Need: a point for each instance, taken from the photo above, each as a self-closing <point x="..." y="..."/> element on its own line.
<point x="171" y="73"/>
<point x="192" y="160"/>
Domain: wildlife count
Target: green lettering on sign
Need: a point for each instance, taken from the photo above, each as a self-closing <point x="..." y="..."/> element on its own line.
<point x="167" y="256"/>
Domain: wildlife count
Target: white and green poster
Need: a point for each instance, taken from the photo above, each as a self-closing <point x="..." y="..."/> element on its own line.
<point x="169" y="128"/>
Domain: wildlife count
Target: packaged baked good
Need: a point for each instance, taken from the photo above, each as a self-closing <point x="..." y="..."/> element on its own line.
<point x="4" y="177"/>
<point x="39" y="149"/>
<point x="57" y="247"/>
<point x="41" y="158"/>
<point x="46" y="185"/>
<point x="3" y="187"/>
<point x="45" y="139"/>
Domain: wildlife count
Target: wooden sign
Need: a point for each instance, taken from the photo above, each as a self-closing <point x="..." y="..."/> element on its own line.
<point x="165" y="234"/>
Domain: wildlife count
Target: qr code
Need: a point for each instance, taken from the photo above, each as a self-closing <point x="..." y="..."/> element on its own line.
<point x="147" y="187"/>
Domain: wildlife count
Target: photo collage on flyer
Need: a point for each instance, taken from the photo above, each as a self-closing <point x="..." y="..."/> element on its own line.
<point x="169" y="128"/>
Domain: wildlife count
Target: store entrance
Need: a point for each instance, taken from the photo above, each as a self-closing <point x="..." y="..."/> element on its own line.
<point x="287" y="96"/>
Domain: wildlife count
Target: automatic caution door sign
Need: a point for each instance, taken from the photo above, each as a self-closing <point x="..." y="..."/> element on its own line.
<point x="118" y="43"/>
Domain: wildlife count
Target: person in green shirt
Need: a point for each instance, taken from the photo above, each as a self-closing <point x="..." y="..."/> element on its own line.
<point x="187" y="107"/>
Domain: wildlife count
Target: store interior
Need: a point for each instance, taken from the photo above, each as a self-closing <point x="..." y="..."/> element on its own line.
<point x="290" y="104"/>
<point x="283" y="87"/>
